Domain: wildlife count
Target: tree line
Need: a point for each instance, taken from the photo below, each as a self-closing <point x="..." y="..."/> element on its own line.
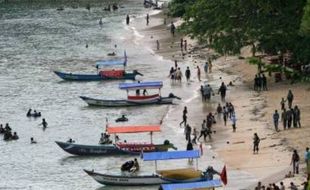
<point x="271" y="27"/>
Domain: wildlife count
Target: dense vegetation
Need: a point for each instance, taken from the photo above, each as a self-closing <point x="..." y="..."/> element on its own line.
<point x="272" y="27"/>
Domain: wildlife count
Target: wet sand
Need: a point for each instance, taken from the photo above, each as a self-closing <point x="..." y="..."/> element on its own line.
<point x="254" y="113"/>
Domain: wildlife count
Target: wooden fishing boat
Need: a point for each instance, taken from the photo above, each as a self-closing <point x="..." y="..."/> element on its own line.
<point x="186" y="175"/>
<point x="120" y="148"/>
<point x="102" y="75"/>
<point x="134" y="100"/>
<point x="111" y="74"/>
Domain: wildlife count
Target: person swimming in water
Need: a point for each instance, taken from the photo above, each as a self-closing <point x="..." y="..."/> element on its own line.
<point x="122" y="119"/>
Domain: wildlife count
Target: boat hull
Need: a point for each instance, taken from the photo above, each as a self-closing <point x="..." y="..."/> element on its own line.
<point x="103" y="150"/>
<point x="134" y="180"/>
<point x="124" y="103"/>
<point x="94" y="77"/>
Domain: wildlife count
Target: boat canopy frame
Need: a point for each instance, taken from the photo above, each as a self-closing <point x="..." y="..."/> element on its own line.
<point x="185" y="154"/>
<point x="134" y="129"/>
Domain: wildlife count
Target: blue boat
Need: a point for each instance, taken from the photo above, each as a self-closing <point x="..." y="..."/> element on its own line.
<point x="112" y="74"/>
<point x="118" y="148"/>
<point x="97" y="77"/>
<point x="134" y="100"/>
<point x="184" y="175"/>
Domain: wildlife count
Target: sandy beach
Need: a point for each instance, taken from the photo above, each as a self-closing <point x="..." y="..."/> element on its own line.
<point x="253" y="110"/>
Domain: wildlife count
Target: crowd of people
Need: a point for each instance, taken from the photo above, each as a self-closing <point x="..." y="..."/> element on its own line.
<point x="7" y="133"/>
<point x="260" y="82"/>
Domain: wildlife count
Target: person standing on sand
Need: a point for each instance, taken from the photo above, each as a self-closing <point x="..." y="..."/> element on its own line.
<point x="234" y="121"/>
<point x="203" y="130"/>
<point x="284" y="119"/>
<point x="185" y="45"/>
<point x="172" y="29"/>
<point x="127" y="20"/>
<point x="206" y="67"/>
<point x="188" y="131"/>
<point x="256" y="141"/>
<point x="194" y="141"/>
<point x="225" y="115"/>
<point x="222" y="91"/>
<point x="210" y="67"/>
<point x="147" y="19"/>
<point x="290" y="98"/>
<point x="282" y="104"/>
<point x="264" y="82"/>
<point x="187" y="74"/>
<point x="198" y="73"/>
<point x="157" y="44"/>
<point x="295" y="162"/>
<point x="181" y="44"/>
<point x="289" y="117"/>
<point x="276" y="117"/>
<point x="296" y="117"/>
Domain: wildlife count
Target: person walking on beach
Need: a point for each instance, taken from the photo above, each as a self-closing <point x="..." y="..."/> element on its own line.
<point x="188" y="148"/>
<point x="296" y="119"/>
<point x="284" y="119"/>
<point x="127" y="19"/>
<point x="185" y="45"/>
<point x="206" y="67"/>
<point x="194" y="141"/>
<point x="264" y="82"/>
<point x="181" y="44"/>
<point x="210" y="65"/>
<point x="184" y="117"/>
<point x="188" y="131"/>
<point x="256" y="141"/>
<point x="276" y="117"/>
<point x="187" y="74"/>
<point x="234" y="121"/>
<point x="290" y="98"/>
<point x="147" y="19"/>
<point x="222" y="91"/>
<point x="157" y="44"/>
<point x="225" y="115"/>
<point x="203" y="130"/>
<point x="295" y="162"/>
<point x="178" y="75"/>
<point x="172" y="29"/>
<point x="198" y="73"/>
<point x="289" y="116"/>
<point x="282" y="104"/>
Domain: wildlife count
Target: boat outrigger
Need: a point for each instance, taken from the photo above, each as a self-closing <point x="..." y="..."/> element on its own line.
<point x="119" y="148"/>
<point x="186" y="175"/>
<point x="137" y="99"/>
<point x="111" y="74"/>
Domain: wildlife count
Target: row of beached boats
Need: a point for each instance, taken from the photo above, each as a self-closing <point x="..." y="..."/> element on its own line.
<point x="187" y="178"/>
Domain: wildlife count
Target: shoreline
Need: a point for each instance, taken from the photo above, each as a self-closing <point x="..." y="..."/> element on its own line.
<point x="272" y="164"/>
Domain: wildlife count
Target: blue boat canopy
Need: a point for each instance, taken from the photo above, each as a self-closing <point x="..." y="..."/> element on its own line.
<point x="194" y="185"/>
<point x="101" y="63"/>
<point x="141" y="85"/>
<point x="170" y="155"/>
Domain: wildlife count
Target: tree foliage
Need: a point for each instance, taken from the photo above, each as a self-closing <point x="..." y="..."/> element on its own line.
<point x="269" y="26"/>
<point x="177" y="8"/>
